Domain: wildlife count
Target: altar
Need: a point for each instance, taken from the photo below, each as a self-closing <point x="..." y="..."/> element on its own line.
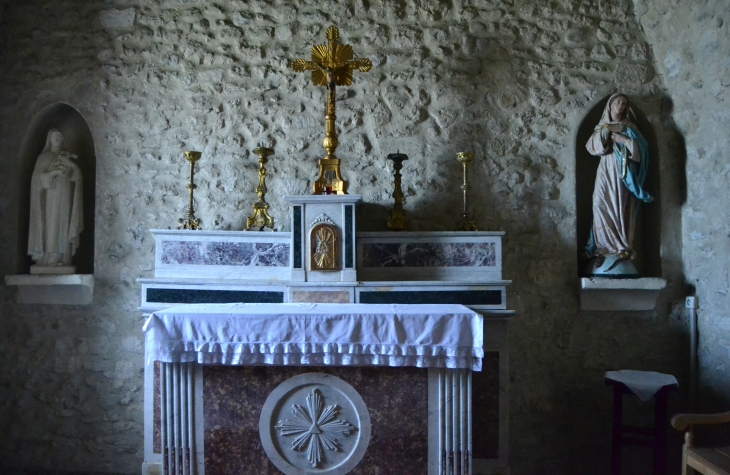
<point x="324" y="350"/>
<point x="410" y="343"/>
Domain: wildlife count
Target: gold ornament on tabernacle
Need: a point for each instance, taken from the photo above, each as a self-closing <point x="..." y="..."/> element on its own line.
<point x="261" y="218"/>
<point x="331" y="66"/>
<point x="191" y="222"/>
<point x="323" y="244"/>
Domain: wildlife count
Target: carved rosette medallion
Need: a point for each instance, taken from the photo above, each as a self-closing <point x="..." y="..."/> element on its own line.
<point x="314" y="423"/>
<point x="323" y="245"/>
<point x="315" y="428"/>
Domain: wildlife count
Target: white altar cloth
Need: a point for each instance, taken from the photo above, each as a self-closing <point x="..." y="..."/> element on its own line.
<point x="297" y="334"/>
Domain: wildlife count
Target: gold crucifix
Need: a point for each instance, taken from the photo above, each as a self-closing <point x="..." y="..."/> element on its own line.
<point x="331" y="65"/>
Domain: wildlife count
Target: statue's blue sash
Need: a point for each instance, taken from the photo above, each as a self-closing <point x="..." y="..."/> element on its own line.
<point x="635" y="171"/>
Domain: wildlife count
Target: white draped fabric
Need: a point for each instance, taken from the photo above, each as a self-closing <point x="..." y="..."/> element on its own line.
<point x="644" y="384"/>
<point x="297" y="334"/>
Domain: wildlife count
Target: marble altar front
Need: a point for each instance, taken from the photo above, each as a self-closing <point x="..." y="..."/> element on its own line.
<point x="201" y="267"/>
<point x="447" y="339"/>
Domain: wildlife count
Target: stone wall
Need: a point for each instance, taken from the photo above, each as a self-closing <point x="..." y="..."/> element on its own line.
<point x="510" y="80"/>
<point x="691" y="42"/>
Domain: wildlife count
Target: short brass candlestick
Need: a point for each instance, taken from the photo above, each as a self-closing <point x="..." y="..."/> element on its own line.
<point x="397" y="214"/>
<point x="261" y="218"/>
<point x="191" y="222"/>
<point x="466" y="223"/>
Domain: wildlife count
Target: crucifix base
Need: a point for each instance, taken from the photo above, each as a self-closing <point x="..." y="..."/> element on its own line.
<point x="330" y="180"/>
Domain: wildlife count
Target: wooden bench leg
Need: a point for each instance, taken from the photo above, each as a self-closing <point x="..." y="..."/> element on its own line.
<point x="688" y="442"/>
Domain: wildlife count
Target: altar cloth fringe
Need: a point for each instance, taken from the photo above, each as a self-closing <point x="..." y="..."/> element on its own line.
<point x="442" y="336"/>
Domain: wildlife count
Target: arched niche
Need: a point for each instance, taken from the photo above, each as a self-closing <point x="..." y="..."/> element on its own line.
<point x="647" y="240"/>
<point x="78" y="140"/>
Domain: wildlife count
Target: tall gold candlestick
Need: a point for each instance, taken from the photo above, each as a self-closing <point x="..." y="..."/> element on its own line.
<point x="191" y="222"/>
<point x="261" y="218"/>
<point x="466" y="223"/>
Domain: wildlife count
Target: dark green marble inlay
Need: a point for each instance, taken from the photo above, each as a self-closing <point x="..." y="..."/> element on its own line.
<point x="464" y="297"/>
<point x="297" y="236"/>
<point x="213" y="296"/>
<point x="349" y="236"/>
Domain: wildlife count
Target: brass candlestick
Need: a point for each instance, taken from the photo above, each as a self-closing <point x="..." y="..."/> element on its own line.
<point x="261" y="218"/>
<point x="191" y="222"/>
<point x="397" y="214"/>
<point x="331" y="65"/>
<point x="466" y="224"/>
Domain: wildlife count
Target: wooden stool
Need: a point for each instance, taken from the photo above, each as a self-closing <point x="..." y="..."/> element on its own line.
<point x="655" y="437"/>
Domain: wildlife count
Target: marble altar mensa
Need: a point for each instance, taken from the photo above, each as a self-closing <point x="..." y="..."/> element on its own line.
<point x="217" y="408"/>
<point x="303" y="334"/>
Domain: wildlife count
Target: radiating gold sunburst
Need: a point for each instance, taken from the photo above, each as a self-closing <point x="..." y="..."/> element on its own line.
<point x="334" y="58"/>
<point x="324" y="244"/>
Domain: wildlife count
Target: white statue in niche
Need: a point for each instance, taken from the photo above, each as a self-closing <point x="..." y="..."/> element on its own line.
<point x="56" y="209"/>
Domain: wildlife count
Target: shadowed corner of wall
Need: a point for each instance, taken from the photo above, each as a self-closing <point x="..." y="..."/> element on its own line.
<point x="678" y="146"/>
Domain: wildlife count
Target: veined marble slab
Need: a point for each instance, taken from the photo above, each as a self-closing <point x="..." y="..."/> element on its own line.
<point x="440" y="255"/>
<point x="321" y="293"/>
<point x="246" y="255"/>
<point x="429" y="254"/>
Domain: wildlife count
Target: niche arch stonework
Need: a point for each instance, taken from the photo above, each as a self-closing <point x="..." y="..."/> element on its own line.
<point x="78" y="140"/>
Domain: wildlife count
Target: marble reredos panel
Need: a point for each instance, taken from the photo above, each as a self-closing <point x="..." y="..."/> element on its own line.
<point x="225" y="253"/>
<point x="480" y="254"/>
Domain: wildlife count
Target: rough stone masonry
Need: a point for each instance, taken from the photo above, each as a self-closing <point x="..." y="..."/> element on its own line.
<point x="510" y="80"/>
